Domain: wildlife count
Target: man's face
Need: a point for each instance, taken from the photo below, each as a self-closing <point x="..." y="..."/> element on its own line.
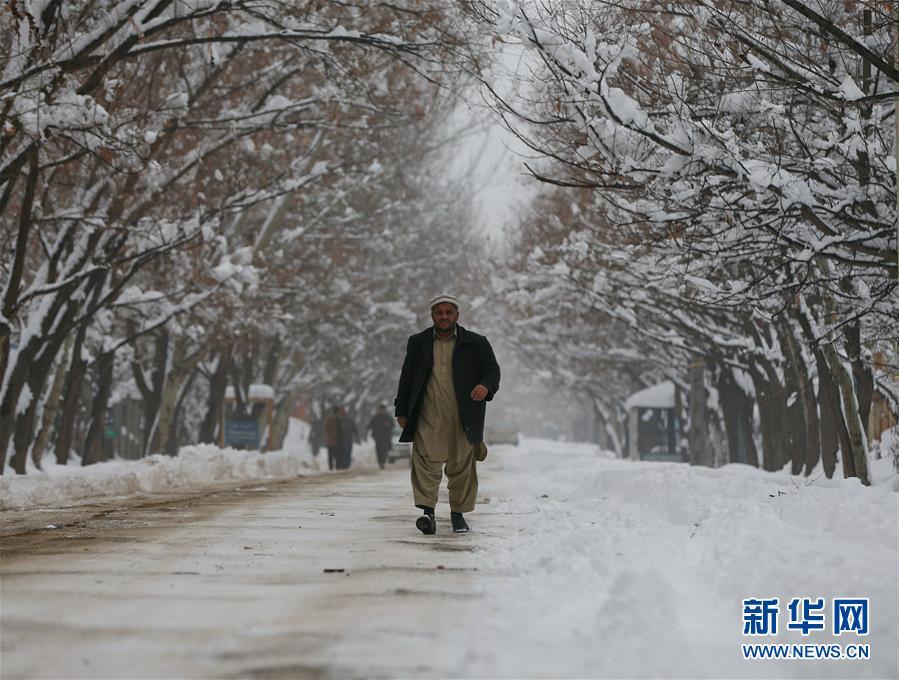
<point x="444" y="316"/>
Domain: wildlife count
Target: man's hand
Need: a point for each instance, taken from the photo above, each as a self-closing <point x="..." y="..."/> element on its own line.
<point x="479" y="393"/>
<point x="401" y="421"/>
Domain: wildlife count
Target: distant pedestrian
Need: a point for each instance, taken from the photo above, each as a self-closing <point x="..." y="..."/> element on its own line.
<point x="316" y="435"/>
<point x="346" y="436"/>
<point x="332" y="426"/>
<point x="381" y="428"/>
<point x="448" y="375"/>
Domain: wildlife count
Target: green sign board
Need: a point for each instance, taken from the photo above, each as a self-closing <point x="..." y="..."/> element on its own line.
<point x="242" y="433"/>
<point x="110" y="428"/>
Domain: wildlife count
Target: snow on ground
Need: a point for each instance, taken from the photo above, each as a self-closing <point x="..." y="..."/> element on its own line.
<point x="578" y="565"/>
<point x="195" y="467"/>
<point x="622" y="569"/>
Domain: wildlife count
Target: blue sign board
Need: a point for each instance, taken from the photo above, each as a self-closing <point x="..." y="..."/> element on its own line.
<point x="242" y="434"/>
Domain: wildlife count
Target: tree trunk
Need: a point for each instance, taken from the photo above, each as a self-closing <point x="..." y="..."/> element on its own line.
<point x="855" y="460"/>
<point x="218" y="381"/>
<point x="600" y="424"/>
<point x="151" y="393"/>
<point x="40" y="345"/>
<point x="281" y="422"/>
<point x="10" y="301"/>
<point x="772" y="405"/>
<point x="804" y="443"/>
<point x="861" y="373"/>
<point x="794" y="424"/>
<point x="240" y="389"/>
<point x="700" y="453"/>
<point x="52" y="406"/>
<point x="769" y="421"/>
<point x="165" y="416"/>
<point x="896" y="122"/>
<point x="34" y="362"/>
<point x="801" y="363"/>
<point x="269" y="376"/>
<point x="71" y="397"/>
<point x="92" y="451"/>
<point x="812" y="425"/>
<point x="172" y="444"/>
<point x="831" y="425"/>
<point x="182" y="366"/>
<point x="246" y="379"/>
<point x="809" y="404"/>
<point x="25" y="423"/>
<point x="736" y="406"/>
<point x="833" y="431"/>
<point x="771" y="398"/>
<point x="36" y="354"/>
<point x="9" y="415"/>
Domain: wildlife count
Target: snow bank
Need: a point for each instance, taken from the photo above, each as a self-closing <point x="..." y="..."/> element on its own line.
<point x="638" y="569"/>
<point x="194" y="468"/>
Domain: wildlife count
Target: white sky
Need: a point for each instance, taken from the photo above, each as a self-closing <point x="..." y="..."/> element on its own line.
<point x="498" y="175"/>
<point x="494" y="156"/>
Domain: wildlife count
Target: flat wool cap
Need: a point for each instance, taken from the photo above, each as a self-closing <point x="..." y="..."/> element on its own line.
<point x="452" y="299"/>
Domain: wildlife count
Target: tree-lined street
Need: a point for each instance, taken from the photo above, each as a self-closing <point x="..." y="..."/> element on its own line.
<point x="246" y="260"/>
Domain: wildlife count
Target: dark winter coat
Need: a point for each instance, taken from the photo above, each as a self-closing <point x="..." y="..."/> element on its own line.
<point x="346" y="435"/>
<point x="473" y="364"/>
<point x="381" y="426"/>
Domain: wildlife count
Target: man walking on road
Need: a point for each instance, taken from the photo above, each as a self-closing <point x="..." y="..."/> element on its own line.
<point x="448" y="375"/>
<point x="381" y="428"/>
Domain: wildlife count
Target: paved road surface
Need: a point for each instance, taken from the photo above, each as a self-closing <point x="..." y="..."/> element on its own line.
<point x="318" y="577"/>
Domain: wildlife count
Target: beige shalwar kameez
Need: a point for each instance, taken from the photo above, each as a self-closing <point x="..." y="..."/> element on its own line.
<point x="440" y="440"/>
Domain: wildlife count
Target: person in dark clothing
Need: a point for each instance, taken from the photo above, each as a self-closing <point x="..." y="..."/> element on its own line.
<point x="316" y="435"/>
<point x="448" y="375"/>
<point x="381" y="428"/>
<point x="346" y="436"/>
<point x="331" y="436"/>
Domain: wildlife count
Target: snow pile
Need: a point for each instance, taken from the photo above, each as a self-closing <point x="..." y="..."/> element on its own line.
<point x="194" y="468"/>
<point x="638" y="569"/>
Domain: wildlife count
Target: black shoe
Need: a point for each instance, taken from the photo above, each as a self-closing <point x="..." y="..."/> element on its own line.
<point x="460" y="526"/>
<point x="426" y="523"/>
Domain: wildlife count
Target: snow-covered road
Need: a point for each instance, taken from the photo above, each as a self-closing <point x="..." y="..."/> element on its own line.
<point x="577" y="566"/>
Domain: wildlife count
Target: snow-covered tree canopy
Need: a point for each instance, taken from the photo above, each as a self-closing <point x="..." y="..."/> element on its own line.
<point x="166" y="167"/>
<point x="725" y="180"/>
